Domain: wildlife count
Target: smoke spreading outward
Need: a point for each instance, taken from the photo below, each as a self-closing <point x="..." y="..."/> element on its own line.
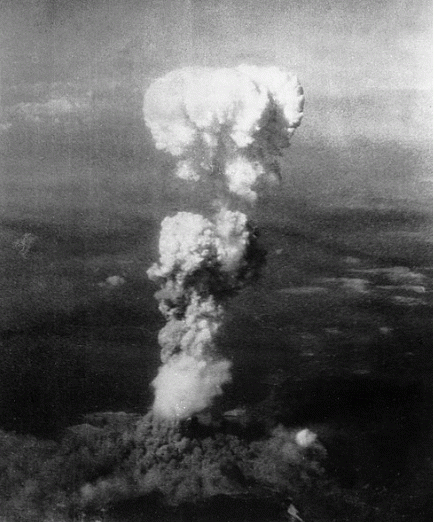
<point x="229" y="127"/>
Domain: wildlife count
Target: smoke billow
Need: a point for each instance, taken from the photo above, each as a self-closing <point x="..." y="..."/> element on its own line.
<point x="202" y="262"/>
<point x="228" y="126"/>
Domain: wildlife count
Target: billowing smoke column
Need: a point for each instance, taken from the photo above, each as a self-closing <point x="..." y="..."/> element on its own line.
<point x="228" y="126"/>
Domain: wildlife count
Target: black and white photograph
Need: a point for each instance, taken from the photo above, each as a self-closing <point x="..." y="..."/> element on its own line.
<point x="216" y="261"/>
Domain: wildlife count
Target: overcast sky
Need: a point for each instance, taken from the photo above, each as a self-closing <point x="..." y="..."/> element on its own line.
<point x="336" y="47"/>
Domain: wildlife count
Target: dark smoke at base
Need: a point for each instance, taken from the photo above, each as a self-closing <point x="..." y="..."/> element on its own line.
<point x="121" y="466"/>
<point x="185" y="463"/>
<point x="116" y="457"/>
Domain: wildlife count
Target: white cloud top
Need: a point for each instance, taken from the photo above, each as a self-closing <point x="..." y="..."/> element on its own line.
<point x="210" y="119"/>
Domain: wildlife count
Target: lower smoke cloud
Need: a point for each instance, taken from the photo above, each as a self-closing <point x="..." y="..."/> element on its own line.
<point x="202" y="263"/>
<point x="229" y="126"/>
<point x="185" y="468"/>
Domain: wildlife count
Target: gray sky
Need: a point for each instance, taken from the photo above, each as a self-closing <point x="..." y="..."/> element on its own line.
<point x="374" y="56"/>
<point x="338" y="47"/>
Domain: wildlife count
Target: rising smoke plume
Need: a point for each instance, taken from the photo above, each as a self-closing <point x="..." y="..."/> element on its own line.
<point x="227" y="126"/>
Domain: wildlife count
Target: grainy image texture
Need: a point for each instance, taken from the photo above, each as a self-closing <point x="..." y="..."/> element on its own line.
<point x="215" y="261"/>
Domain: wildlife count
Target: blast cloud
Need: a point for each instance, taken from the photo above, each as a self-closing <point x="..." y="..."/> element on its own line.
<point x="228" y="126"/>
<point x="225" y="122"/>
